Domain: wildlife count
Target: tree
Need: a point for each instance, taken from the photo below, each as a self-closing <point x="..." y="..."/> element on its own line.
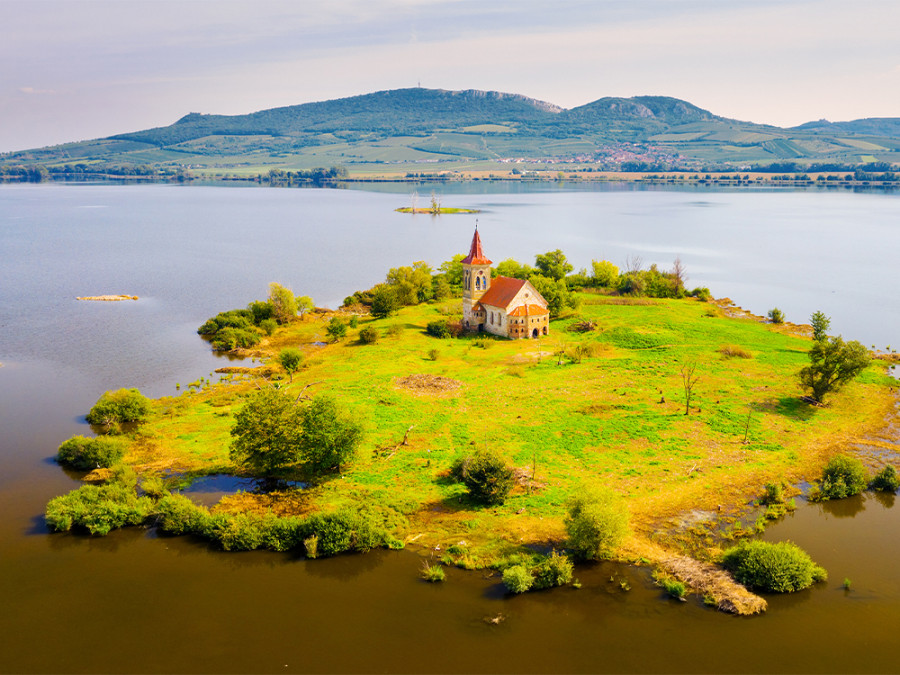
<point x="122" y="405"/>
<point x="486" y="476"/>
<point x="596" y="522"/>
<point x="604" y="273"/>
<point x="514" y="269"/>
<point x="688" y="380"/>
<point x="553" y="264"/>
<point x="833" y="363"/>
<point x="411" y="284"/>
<point x="304" y="304"/>
<point x="555" y="292"/>
<point x="453" y="271"/>
<point x="290" y="359"/>
<point x="820" y="324"/>
<point x="336" y="329"/>
<point x="678" y="273"/>
<point x="330" y="435"/>
<point x="284" y="304"/>
<point x="384" y="301"/>
<point x="776" y="315"/>
<point x="267" y="433"/>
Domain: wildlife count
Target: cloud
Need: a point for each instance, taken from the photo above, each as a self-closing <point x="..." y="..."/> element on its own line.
<point x="33" y="90"/>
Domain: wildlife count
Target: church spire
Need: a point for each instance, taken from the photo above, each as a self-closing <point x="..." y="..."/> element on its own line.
<point x="476" y="254"/>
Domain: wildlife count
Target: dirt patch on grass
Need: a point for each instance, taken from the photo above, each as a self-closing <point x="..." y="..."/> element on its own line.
<point x="428" y="385"/>
<point x="716" y="584"/>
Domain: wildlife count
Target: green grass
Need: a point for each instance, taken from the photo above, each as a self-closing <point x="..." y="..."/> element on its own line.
<point x="618" y="417"/>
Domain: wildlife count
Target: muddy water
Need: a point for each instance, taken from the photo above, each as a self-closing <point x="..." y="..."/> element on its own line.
<point x="133" y="602"/>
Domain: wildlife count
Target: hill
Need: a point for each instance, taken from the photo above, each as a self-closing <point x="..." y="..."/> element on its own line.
<point x="432" y="129"/>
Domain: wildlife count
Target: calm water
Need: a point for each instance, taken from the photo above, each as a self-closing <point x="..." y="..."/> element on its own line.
<point x="135" y="603"/>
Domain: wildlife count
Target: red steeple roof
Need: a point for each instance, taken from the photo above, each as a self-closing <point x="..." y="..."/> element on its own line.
<point x="476" y="255"/>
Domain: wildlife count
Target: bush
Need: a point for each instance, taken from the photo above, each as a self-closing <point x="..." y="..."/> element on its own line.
<point x="122" y="405"/>
<point x="394" y="330"/>
<point x="780" y="568"/>
<point x="596" y="522"/>
<point x="433" y="573"/>
<point x="702" y="294"/>
<point x="368" y="335"/>
<point x="776" y="315"/>
<point x="671" y="585"/>
<point x="554" y="570"/>
<point x="176" y="514"/>
<point x="233" y="338"/>
<point x="336" y="329"/>
<point x="439" y="328"/>
<point x="434" y="354"/>
<point x="268" y="326"/>
<point x="843" y="477"/>
<point x="774" y="494"/>
<point x="341" y="531"/>
<point x="732" y="351"/>
<point x="486" y="476"/>
<point x="886" y="480"/>
<point x="517" y="579"/>
<point x="354" y="321"/>
<point x="99" y="509"/>
<point x="86" y="454"/>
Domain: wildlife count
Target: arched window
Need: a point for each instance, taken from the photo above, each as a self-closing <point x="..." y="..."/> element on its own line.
<point x="477" y="283"/>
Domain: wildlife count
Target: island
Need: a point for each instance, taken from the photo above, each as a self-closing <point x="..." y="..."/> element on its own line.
<point x="409" y="418"/>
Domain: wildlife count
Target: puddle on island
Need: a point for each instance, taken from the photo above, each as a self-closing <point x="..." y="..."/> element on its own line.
<point x="208" y="490"/>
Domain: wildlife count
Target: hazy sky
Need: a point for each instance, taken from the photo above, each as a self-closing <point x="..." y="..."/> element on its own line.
<point x="79" y="69"/>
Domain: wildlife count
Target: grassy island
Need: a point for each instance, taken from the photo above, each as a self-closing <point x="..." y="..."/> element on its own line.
<point x="601" y="400"/>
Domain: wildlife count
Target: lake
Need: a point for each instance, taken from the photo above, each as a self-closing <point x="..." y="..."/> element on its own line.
<point x="133" y="602"/>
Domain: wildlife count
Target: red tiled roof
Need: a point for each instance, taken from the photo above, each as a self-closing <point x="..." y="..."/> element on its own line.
<point x="501" y="291"/>
<point x="529" y="310"/>
<point x="476" y="255"/>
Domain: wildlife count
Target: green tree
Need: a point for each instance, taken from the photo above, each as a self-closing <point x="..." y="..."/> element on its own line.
<point x="604" y="273"/>
<point x="284" y="304"/>
<point x="122" y="405"/>
<point x="486" y="476"/>
<point x="553" y="264"/>
<point x="290" y="359"/>
<point x="514" y="269"/>
<point x="555" y="292"/>
<point x="304" y="304"/>
<point x="776" y="315"/>
<point x="820" y="324"/>
<point x="596" y="522"/>
<point x="844" y="476"/>
<point x="833" y="363"/>
<point x="453" y="270"/>
<point x="336" y="329"/>
<point x="267" y="433"/>
<point x="412" y="284"/>
<point x="330" y="435"/>
<point x="384" y="301"/>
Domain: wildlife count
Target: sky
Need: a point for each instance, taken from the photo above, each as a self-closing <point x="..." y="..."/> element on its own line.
<point x="82" y="69"/>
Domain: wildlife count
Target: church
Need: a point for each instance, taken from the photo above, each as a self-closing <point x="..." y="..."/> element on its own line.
<point x="503" y="306"/>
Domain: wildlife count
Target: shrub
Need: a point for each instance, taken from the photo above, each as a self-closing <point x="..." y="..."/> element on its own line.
<point x="311" y="546"/>
<point x="554" y="570"/>
<point x="354" y="321"/>
<point x="233" y="338"/>
<point x="282" y="534"/>
<point x="86" y="454"/>
<point x="671" y="585"/>
<point x="517" y="579"/>
<point x="596" y="522"/>
<point x="237" y="532"/>
<point x="268" y="326"/>
<point x="844" y="476"/>
<point x="394" y="330"/>
<point x="886" y="480"/>
<point x="154" y="486"/>
<point x="486" y="476"/>
<point x="341" y="531"/>
<point x="336" y="329"/>
<point x="732" y="351"/>
<point x="99" y="509"/>
<point x="368" y="335"/>
<point x="702" y="294"/>
<point x="122" y="405"/>
<point x="434" y="354"/>
<point x="176" y="514"/>
<point x="776" y="315"/>
<point x="439" y="328"/>
<point x="780" y="568"/>
<point x="433" y="573"/>
<point x="774" y="494"/>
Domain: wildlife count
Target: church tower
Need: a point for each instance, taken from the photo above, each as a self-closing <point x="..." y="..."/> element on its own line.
<point x="476" y="280"/>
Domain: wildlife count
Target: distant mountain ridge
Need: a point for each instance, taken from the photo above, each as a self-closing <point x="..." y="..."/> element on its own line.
<point x="453" y="129"/>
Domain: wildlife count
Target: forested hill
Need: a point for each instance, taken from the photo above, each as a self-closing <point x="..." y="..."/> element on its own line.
<point x="438" y="130"/>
